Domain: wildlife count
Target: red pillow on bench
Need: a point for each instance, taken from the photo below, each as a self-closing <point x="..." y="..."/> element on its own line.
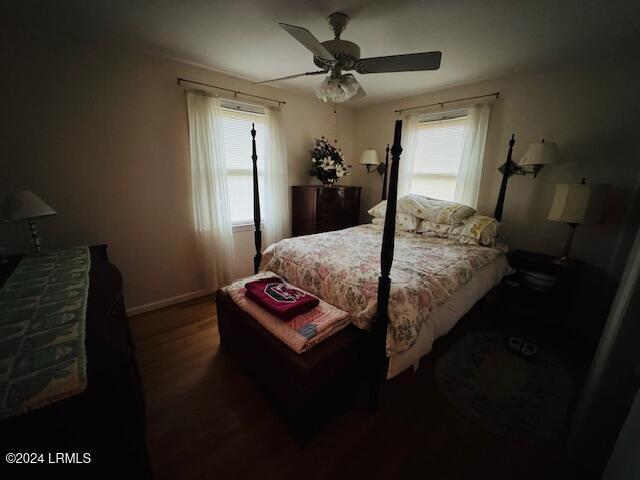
<point x="279" y="298"/>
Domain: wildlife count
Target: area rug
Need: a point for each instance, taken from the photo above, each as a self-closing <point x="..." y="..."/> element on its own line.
<point x="523" y="399"/>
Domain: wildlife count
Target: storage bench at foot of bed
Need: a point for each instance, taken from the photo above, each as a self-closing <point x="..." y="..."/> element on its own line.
<point x="306" y="388"/>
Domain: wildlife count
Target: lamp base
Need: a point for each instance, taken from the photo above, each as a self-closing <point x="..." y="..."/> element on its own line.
<point x="35" y="237"/>
<point x="561" y="261"/>
<point x="567" y="245"/>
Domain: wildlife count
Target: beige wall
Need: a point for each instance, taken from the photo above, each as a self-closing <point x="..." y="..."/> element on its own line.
<point x="101" y="134"/>
<point x="589" y="111"/>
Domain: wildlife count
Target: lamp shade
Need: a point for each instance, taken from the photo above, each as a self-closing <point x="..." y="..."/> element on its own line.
<point x="369" y="157"/>
<point x="541" y="153"/>
<point x="570" y="203"/>
<point x="24" y="205"/>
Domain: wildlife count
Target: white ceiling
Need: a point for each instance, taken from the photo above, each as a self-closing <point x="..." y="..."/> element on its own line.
<point x="479" y="39"/>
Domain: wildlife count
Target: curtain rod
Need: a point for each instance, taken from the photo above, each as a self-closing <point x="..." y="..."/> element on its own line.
<point x="235" y="92"/>
<point x="442" y="104"/>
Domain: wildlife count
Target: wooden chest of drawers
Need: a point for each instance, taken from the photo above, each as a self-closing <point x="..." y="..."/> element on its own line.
<point x="318" y="209"/>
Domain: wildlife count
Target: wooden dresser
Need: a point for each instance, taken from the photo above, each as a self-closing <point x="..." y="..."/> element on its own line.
<point x="318" y="209"/>
<point x="108" y="419"/>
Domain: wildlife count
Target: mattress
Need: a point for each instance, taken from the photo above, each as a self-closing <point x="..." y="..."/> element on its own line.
<point x="342" y="268"/>
<point x="444" y="317"/>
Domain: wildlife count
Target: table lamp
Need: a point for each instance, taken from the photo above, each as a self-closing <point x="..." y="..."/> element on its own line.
<point x="574" y="204"/>
<point x="26" y="205"/>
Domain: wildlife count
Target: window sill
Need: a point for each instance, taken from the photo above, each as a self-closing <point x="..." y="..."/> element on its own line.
<point x="244" y="227"/>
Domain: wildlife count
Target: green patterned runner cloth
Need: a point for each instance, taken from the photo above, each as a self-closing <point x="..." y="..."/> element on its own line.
<point x="42" y="330"/>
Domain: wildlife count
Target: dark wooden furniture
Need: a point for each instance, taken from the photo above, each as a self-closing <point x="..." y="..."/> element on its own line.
<point x="317" y="209"/>
<point x="380" y="361"/>
<point x="305" y="388"/>
<point x="257" y="234"/>
<point x="542" y="289"/>
<point x="294" y="380"/>
<point x="507" y="170"/>
<point x="386" y="171"/>
<point x="107" y="420"/>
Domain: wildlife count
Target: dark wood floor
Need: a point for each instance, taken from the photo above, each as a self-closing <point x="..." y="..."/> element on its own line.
<point x="207" y="420"/>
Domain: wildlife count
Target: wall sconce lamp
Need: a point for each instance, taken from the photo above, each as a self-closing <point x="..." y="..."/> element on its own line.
<point x="370" y="160"/>
<point x="537" y="155"/>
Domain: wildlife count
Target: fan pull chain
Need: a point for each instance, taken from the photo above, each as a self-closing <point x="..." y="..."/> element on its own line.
<point x="335" y="112"/>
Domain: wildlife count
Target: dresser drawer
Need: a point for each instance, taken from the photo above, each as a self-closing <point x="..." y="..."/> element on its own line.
<point x="321" y="209"/>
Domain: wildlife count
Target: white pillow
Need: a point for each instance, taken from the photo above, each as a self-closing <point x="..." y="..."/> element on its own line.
<point x="438" y="229"/>
<point x="482" y="229"/>
<point x="407" y="223"/>
<point x="433" y="210"/>
<point x="379" y="210"/>
<point x="475" y="230"/>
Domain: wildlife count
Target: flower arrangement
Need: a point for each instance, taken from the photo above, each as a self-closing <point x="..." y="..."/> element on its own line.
<point x="327" y="162"/>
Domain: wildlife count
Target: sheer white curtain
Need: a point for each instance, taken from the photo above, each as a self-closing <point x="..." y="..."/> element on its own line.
<point x="470" y="169"/>
<point x="408" y="156"/>
<point x="275" y="199"/>
<point x="475" y="137"/>
<point x="214" y="234"/>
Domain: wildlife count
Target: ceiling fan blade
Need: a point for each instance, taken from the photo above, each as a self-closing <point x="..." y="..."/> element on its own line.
<point x="306" y="38"/>
<point x="410" y="62"/>
<point x="290" y="76"/>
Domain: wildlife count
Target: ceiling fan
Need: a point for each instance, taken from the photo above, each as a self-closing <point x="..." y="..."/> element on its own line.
<point x="337" y="56"/>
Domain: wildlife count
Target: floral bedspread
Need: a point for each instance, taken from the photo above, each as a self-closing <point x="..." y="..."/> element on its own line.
<point x="343" y="267"/>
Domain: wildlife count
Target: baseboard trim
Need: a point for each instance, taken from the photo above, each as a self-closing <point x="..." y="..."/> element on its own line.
<point x="167" y="302"/>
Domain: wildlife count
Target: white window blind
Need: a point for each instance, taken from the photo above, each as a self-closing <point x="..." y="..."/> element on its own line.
<point x="438" y="153"/>
<point x="238" y="165"/>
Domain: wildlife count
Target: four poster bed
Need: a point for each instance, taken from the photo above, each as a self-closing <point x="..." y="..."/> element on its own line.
<point x="389" y="328"/>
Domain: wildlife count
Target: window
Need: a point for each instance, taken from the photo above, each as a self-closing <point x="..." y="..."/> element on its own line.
<point x="437" y="158"/>
<point x="237" y="151"/>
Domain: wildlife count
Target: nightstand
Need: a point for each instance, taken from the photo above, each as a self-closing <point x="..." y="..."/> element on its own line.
<point x="542" y="289"/>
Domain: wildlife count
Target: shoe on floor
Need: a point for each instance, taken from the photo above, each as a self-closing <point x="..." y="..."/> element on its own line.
<point x="529" y="349"/>
<point x="515" y="344"/>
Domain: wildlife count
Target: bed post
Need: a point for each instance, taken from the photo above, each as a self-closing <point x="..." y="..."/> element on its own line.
<point x="506" y="170"/>
<point x="256" y="203"/>
<point x="379" y="330"/>
<point x="386" y="170"/>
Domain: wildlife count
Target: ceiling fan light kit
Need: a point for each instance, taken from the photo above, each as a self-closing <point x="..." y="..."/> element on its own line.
<point x="337" y="89"/>
<point x="337" y="56"/>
